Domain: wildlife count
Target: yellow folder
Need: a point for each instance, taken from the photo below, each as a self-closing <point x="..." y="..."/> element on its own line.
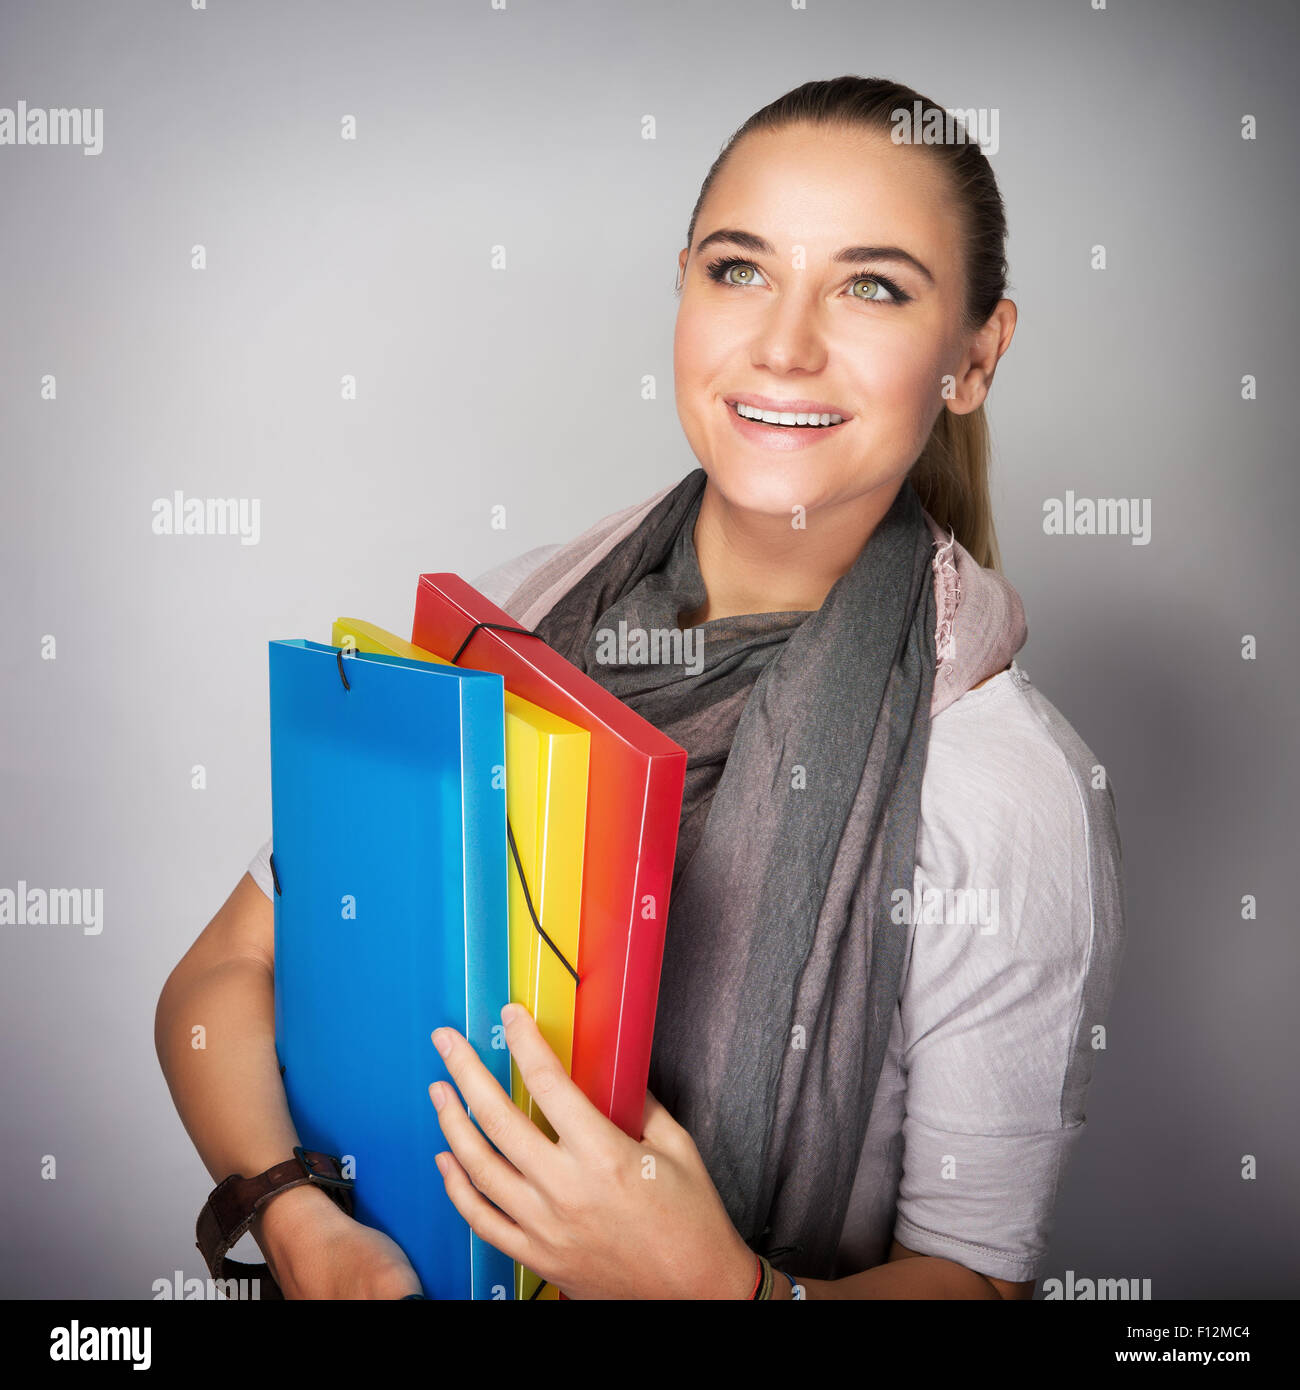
<point x="546" y="803"/>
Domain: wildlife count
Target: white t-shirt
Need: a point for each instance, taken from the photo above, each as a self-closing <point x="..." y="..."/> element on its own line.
<point x="981" y="1095"/>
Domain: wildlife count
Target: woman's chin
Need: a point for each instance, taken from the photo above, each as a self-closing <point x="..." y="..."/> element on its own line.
<point x="768" y="487"/>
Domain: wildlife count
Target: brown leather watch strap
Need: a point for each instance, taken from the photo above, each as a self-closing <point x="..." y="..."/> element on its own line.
<point x="233" y="1203"/>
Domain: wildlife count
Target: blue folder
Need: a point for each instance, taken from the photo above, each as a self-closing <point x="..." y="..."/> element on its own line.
<point x="389" y="826"/>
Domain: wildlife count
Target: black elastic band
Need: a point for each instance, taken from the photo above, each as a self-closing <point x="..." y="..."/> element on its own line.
<point x="499" y="627"/>
<point x="532" y="911"/>
<point x="275" y="878"/>
<point x="523" y="632"/>
<point x="342" y="673"/>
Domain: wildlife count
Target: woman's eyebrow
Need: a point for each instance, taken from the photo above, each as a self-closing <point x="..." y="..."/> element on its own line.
<point x="747" y="241"/>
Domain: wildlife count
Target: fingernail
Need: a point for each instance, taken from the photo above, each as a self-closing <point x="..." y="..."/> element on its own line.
<point x="442" y="1041"/>
<point x="438" y="1094"/>
<point x="510" y="1013"/>
<point x="441" y="1161"/>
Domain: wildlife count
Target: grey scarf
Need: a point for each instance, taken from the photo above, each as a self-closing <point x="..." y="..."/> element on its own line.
<point x="699" y="703"/>
<point x="782" y="961"/>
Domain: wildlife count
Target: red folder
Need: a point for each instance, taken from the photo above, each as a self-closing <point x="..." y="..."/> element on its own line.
<point x="634" y="799"/>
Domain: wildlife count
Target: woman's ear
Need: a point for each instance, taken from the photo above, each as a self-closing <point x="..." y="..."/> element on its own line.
<point x="987" y="346"/>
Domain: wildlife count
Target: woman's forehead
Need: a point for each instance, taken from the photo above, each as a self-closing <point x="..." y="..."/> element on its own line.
<point x="825" y="189"/>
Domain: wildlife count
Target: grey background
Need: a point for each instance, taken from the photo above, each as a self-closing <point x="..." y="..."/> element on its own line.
<point x="522" y="387"/>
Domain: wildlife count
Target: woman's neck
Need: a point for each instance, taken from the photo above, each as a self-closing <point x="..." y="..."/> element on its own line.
<point x="756" y="563"/>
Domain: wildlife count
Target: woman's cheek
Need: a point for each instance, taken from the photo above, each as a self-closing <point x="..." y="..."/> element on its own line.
<point x="915" y="388"/>
<point x="694" y="375"/>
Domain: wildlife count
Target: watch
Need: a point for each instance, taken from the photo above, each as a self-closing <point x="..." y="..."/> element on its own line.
<point x="235" y="1200"/>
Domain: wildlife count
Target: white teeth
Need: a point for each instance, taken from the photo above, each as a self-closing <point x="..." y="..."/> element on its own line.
<point x="784" y="417"/>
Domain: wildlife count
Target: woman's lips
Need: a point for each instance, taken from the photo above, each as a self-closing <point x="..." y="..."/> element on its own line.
<point x="781" y="436"/>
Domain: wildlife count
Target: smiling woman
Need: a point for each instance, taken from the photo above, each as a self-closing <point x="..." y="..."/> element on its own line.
<point x="853" y="1079"/>
<point x="883" y="1102"/>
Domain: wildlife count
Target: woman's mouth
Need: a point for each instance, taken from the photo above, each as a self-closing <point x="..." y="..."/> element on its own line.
<point x="783" y="429"/>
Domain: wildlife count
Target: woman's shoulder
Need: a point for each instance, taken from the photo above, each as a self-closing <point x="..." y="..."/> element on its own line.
<point x="1015" y="805"/>
<point x="1004" y="763"/>
<point x="1019" y="919"/>
<point x="498" y="583"/>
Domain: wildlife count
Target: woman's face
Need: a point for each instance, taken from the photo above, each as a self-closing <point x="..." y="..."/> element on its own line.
<point x="804" y="321"/>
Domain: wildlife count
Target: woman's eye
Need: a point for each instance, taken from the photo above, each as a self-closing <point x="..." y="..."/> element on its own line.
<point x="880" y="291"/>
<point x="744" y="274"/>
<point x="729" y="271"/>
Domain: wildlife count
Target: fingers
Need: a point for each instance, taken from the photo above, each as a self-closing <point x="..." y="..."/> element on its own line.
<point x="494" y="1176"/>
<point x="658" y="1128"/>
<point x="480" y="1215"/>
<point x="577" y="1122"/>
<point x="505" y="1126"/>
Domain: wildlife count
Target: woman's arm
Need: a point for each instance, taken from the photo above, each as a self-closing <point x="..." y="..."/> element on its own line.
<point x="1001" y="1012"/>
<point x="214" y="1031"/>
<point x="911" y="1275"/>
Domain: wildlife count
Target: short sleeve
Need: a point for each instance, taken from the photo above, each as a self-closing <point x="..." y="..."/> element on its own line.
<point x="259" y="868"/>
<point x="1008" y="986"/>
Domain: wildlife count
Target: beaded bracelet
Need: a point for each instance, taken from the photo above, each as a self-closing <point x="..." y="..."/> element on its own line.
<point x="765" y="1278"/>
<point x="762" y="1280"/>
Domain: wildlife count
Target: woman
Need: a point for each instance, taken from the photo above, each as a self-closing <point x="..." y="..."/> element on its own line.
<point x="897" y="911"/>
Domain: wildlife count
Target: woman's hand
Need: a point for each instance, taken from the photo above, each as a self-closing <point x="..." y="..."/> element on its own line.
<point x="315" y="1250"/>
<point x="597" y="1214"/>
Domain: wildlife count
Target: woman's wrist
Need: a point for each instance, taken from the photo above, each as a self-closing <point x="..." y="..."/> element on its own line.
<point x="769" y="1283"/>
<point x="279" y="1221"/>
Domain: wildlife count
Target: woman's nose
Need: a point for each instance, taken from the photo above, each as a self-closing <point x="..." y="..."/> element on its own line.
<point x="790" y="335"/>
